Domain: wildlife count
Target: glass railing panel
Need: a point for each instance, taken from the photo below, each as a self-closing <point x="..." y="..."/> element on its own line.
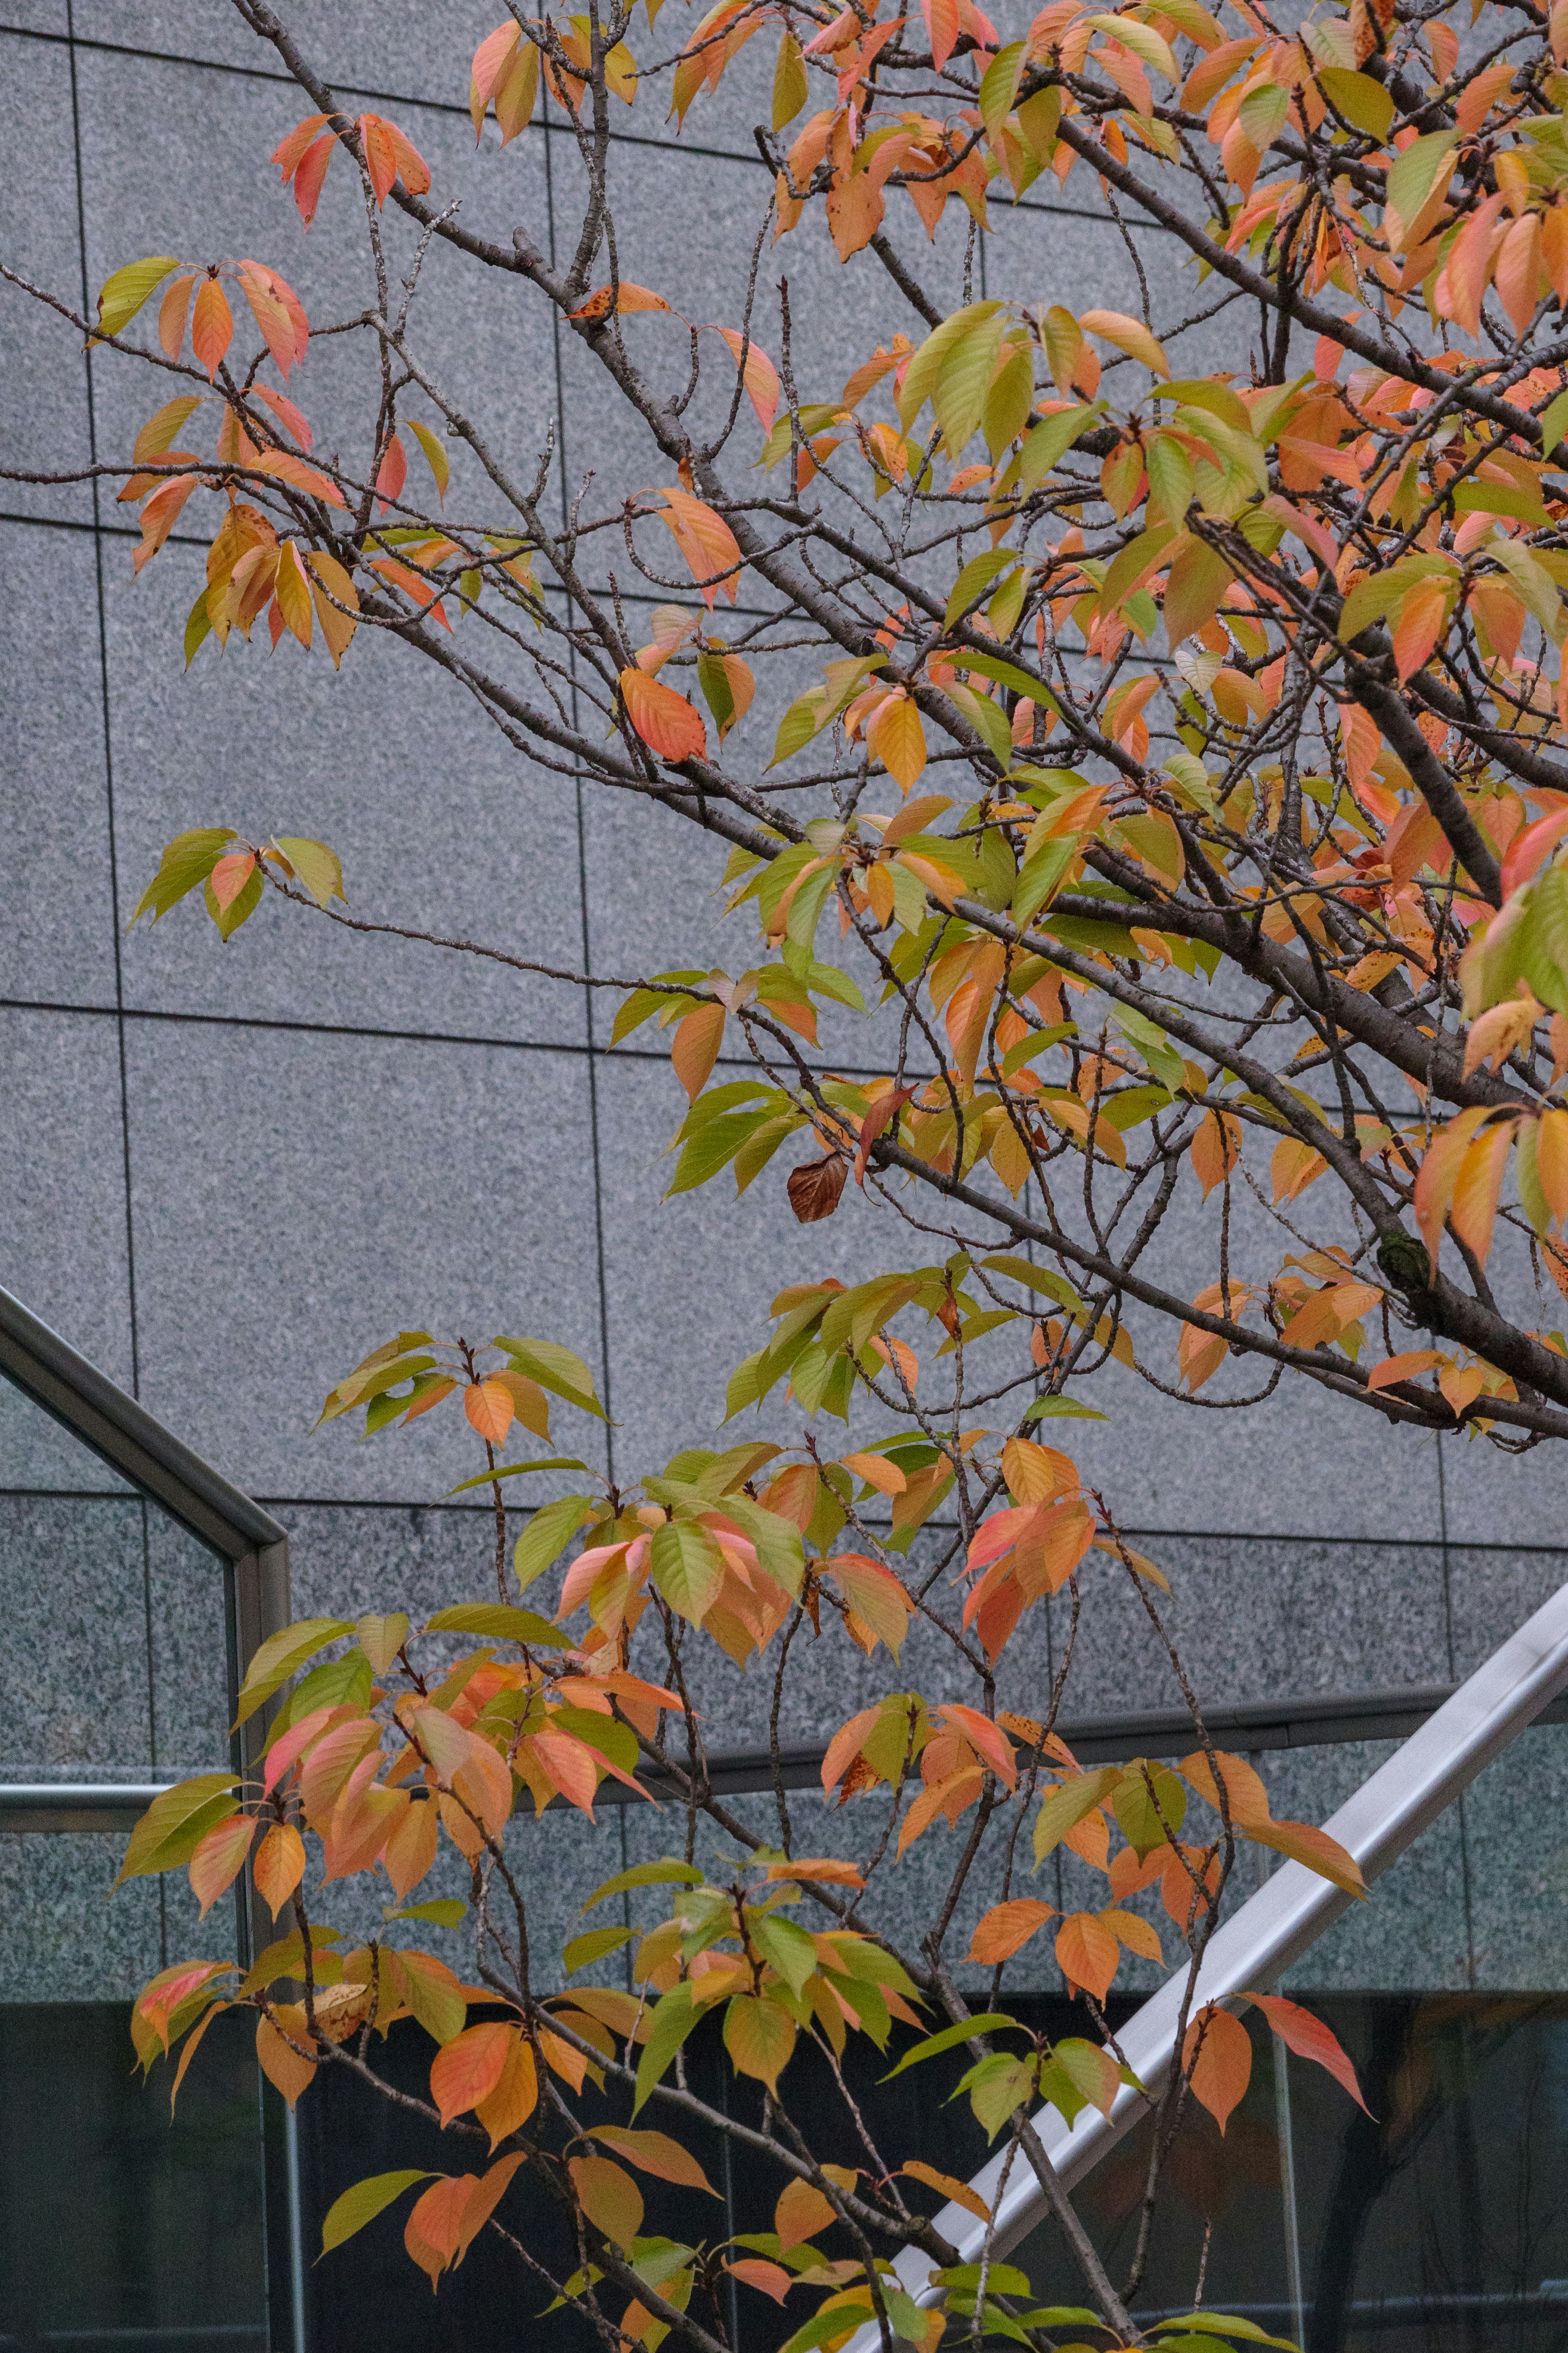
<point x="118" y="2226"/>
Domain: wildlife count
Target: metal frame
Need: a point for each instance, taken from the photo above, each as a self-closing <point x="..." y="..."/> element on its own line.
<point x="1272" y="1930"/>
<point x="254" y="1550"/>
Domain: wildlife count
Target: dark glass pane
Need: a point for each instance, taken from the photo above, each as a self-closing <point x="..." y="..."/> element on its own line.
<point x="118" y="2228"/>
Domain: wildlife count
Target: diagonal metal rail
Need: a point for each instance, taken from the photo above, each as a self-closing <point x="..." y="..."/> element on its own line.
<point x="1273" y="1929"/>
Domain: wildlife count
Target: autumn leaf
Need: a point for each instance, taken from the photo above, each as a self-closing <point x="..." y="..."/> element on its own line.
<point x="816" y="1187"/>
<point x="1007" y="1927"/>
<point x="1217" y="2059"/>
<point x="665" y="719"/>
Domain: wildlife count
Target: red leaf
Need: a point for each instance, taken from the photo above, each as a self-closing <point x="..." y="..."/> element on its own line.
<point x="1309" y="2038"/>
<point x="393" y="472"/>
<point x="886" y="1108"/>
<point x="311" y="175"/>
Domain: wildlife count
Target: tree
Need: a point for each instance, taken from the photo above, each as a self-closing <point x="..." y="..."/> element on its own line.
<point x="1247" y="688"/>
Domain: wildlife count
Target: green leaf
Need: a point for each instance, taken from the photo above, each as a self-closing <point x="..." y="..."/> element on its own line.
<point x="715" y="1144"/>
<point x="1045" y="445"/>
<point x="1223" y="2324"/>
<point x="1006" y="673"/>
<point x="169" y="1831"/>
<point x="557" y="1369"/>
<point x="187" y="863"/>
<point x="688" y="1568"/>
<point x="806" y="717"/>
<point x="593" y="1945"/>
<point x="500" y="1621"/>
<point x="317" y="867"/>
<point x="553" y="1526"/>
<point x="1412" y="174"/>
<point x="442" y="1911"/>
<point x="1137" y="1813"/>
<point x="786" y="1944"/>
<point x="516" y="1469"/>
<point x="1036" y="1278"/>
<point x="1062" y="1409"/>
<point x="920" y="380"/>
<point x="1152" y="1044"/>
<point x="435" y="456"/>
<point x="999" y="89"/>
<point x="990" y="2022"/>
<point x="198" y="628"/>
<point x="282" y="1655"/>
<point x="1553" y="422"/>
<point x="1062" y="1808"/>
<point x="336" y="1682"/>
<point x="674" y="2017"/>
<point x="1362" y="101"/>
<point x="975" y="578"/>
<point x="665" y="1872"/>
<point x="364" y="2202"/>
<point x="124" y="293"/>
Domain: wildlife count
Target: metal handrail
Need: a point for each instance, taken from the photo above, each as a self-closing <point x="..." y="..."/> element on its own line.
<point x="123" y="1434"/>
<point x="1272" y="1930"/>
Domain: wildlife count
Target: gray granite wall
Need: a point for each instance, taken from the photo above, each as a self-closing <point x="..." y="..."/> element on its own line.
<point x="224" y="1173"/>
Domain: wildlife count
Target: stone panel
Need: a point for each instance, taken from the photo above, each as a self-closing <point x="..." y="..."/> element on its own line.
<point x="301" y="1197"/>
<point x="57" y="902"/>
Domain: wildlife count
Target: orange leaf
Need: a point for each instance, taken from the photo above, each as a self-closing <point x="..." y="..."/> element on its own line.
<point x="947" y="2186"/>
<point x="1217" y="2060"/>
<point x="941" y="24"/>
<point x="279" y="2062"/>
<point x="1480" y="1185"/>
<point x="1139" y="1935"/>
<point x="608" y="2197"/>
<point x="982" y="1735"/>
<point x="1087" y="1952"/>
<point x="771" y="2279"/>
<point x="656" y="2153"/>
<point x="467" y="2070"/>
<point x="1439" y="1173"/>
<point x="759" y="2038"/>
<point x="1313" y="1848"/>
<point x="1215" y="1148"/>
<point x="515" y="2095"/>
<point x="818" y="1867"/>
<point x="280" y="1865"/>
<point x="488" y="1406"/>
<point x="760" y="376"/>
<point x="802" y="2210"/>
<point x="1402" y="1367"/>
<point x="230" y="875"/>
<point x="1006" y="1929"/>
<point x="631" y="298"/>
<point x="1310" y="2038"/>
<point x="212" y="328"/>
<point x="665" y="719"/>
<point x="694" y="1049"/>
<point x="172" y="311"/>
<point x="1422" y="613"/>
<point x="219" y="1858"/>
<point x="899" y="741"/>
